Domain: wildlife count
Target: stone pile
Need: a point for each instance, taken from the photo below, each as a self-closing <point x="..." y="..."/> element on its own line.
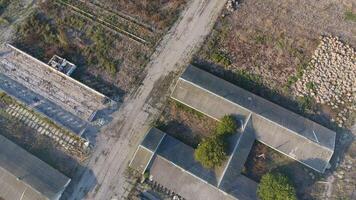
<point x="231" y="5"/>
<point x="330" y="77"/>
<point x="68" y="141"/>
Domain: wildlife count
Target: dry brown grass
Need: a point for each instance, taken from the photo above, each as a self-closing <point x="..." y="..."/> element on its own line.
<point x="186" y="124"/>
<point x="160" y="14"/>
<point x="273" y="38"/>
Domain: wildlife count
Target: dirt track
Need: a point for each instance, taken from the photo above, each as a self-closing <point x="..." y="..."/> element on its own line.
<point x="105" y="174"/>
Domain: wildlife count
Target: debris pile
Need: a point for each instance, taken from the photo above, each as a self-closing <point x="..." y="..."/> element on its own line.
<point x="231" y="5"/>
<point x="330" y="77"/>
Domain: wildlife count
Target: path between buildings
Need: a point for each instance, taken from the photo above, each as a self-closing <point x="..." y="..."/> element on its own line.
<point x="105" y="174"/>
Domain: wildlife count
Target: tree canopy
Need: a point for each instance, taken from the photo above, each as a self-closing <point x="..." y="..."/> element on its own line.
<point x="211" y="152"/>
<point x="226" y="126"/>
<point x="275" y="186"/>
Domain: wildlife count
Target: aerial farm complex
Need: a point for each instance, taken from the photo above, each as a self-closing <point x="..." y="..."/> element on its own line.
<point x="177" y="100"/>
<point x="298" y="138"/>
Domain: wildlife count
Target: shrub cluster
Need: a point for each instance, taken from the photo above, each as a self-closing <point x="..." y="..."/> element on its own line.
<point x="211" y="152"/>
<point x="275" y="186"/>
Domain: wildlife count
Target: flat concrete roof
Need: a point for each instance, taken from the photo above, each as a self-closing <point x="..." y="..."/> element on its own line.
<point x="152" y="139"/>
<point x="46" y="81"/>
<point x="237" y="162"/>
<point x="182" y="183"/>
<point x="42" y="105"/>
<point x="182" y="155"/>
<point x="22" y="175"/>
<point x="289" y="133"/>
<point x="174" y="166"/>
<point x="141" y="159"/>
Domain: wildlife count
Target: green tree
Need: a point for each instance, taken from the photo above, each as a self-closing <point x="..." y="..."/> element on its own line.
<point x="211" y="152"/>
<point x="226" y="126"/>
<point x="275" y="186"/>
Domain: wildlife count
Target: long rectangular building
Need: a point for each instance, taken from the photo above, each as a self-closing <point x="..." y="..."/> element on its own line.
<point x="293" y="135"/>
<point x="52" y="84"/>
<point x="172" y="164"/>
<point x="23" y="176"/>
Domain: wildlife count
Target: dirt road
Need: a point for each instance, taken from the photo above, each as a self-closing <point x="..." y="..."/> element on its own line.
<point x="105" y="174"/>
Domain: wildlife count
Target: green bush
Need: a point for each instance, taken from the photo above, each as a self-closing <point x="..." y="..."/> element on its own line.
<point x="188" y="109"/>
<point x="311" y="86"/>
<point x="4" y="98"/>
<point x="221" y="58"/>
<point x="350" y="16"/>
<point x="305" y="103"/>
<point x="226" y="126"/>
<point x="276" y="187"/>
<point x="146" y="175"/>
<point x="211" y="152"/>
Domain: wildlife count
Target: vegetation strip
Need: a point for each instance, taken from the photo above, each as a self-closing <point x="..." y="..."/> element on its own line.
<point x="105" y="23"/>
<point x="124" y="16"/>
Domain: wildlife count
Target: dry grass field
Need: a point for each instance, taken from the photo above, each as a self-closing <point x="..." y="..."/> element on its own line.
<point x="110" y="46"/>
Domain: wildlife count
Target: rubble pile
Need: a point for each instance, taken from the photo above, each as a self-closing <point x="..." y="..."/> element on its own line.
<point x="231" y="5"/>
<point x="330" y="77"/>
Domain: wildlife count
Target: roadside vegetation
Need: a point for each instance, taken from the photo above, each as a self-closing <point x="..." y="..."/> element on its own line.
<point x="211" y="152"/>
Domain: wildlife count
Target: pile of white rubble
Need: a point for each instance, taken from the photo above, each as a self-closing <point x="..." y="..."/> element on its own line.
<point x="330" y="77"/>
<point x="231" y="5"/>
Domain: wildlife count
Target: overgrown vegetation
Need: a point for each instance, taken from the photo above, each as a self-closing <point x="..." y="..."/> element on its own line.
<point x="158" y="13"/>
<point x="226" y="126"/>
<point x="275" y="186"/>
<point x="211" y="152"/>
<point x="5" y="99"/>
<point x="221" y="58"/>
<point x="96" y="50"/>
<point x="350" y="16"/>
<point x="40" y="27"/>
<point x="306" y="103"/>
<point x="3" y="5"/>
<point x="188" y="109"/>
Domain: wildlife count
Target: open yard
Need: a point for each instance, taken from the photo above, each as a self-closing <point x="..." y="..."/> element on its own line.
<point x="263" y="159"/>
<point x="185" y="124"/>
